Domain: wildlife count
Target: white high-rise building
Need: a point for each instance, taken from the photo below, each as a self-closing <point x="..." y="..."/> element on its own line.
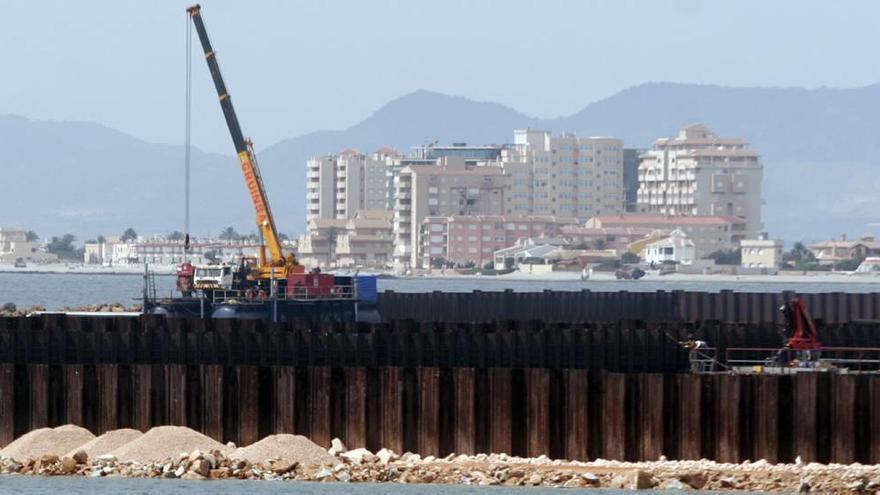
<point x="699" y="173"/>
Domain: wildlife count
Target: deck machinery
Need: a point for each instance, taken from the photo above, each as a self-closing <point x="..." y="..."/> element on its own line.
<point x="802" y="352"/>
<point x="272" y="285"/>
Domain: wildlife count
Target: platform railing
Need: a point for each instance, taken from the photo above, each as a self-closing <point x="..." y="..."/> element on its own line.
<point x="301" y="293"/>
<point x="856" y="359"/>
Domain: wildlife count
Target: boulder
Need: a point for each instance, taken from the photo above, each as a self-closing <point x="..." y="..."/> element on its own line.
<point x="81" y="457"/>
<point x="591" y="479"/>
<point x="336" y="447"/>
<point x="641" y="480"/>
<point x="385" y="456"/>
<point x="68" y="465"/>
<point x="358" y="456"/>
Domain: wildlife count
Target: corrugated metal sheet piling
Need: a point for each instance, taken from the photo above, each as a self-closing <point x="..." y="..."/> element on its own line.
<point x="567" y="390"/>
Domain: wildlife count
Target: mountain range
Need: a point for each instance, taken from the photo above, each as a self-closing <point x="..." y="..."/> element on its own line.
<point x="819" y="149"/>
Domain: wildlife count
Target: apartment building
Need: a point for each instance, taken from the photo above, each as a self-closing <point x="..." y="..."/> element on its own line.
<point x="340" y="185"/>
<point x="567" y="175"/>
<point x="474" y="239"/>
<point x="455" y="186"/>
<point x="321" y="187"/>
<point x="363" y="241"/>
<point x="699" y="173"/>
<point x="709" y="233"/>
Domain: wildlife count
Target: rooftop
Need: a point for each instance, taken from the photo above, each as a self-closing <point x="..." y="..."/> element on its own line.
<point x="665" y="220"/>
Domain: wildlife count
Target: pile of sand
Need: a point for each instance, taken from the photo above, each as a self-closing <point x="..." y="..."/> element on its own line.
<point x="107" y="442"/>
<point x="164" y="442"/>
<point x="290" y="448"/>
<point x="44" y="441"/>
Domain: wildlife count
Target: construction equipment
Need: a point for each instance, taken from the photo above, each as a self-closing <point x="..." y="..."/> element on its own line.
<point x="274" y="264"/>
<point x="803" y="350"/>
<point x="273" y="285"/>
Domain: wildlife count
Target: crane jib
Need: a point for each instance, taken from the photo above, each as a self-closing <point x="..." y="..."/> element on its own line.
<point x="253" y="186"/>
<point x="265" y="222"/>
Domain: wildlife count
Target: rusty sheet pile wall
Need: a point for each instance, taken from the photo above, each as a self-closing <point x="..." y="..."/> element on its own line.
<point x="522" y="388"/>
<point x="622" y="346"/>
<point x="575" y="414"/>
<point x="585" y="305"/>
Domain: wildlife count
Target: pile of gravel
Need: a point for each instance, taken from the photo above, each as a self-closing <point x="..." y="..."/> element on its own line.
<point x="166" y="442"/>
<point x="44" y="441"/>
<point x="287" y="447"/>
<point x="107" y="442"/>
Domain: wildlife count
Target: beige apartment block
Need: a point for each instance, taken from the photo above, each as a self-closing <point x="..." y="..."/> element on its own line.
<point x="454" y="186"/>
<point x="761" y="253"/>
<point x="363" y="241"/>
<point x="699" y="173"/>
<point x="341" y="185"/>
<point x="709" y="233"/>
<point x="566" y="175"/>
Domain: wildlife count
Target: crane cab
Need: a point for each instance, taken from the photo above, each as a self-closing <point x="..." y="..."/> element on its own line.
<point x="213" y="277"/>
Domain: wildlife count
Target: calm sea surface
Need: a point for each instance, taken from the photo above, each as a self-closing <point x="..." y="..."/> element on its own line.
<point x="55" y="291"/>
<point x="35" y="485"/>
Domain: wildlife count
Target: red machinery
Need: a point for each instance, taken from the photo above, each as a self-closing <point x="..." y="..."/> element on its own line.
<point x="804" y="336"/>
<point x="185" y="274"/>
<point x="310" y="285"/>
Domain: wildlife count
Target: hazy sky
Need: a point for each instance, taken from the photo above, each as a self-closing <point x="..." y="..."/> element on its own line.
<point x="298" y="66"/>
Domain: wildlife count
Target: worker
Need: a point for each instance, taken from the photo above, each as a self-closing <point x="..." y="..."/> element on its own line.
<point x="695" y="349"/>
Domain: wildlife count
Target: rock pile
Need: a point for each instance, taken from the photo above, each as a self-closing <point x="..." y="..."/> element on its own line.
<point x="285" y="447"/>
<point x="166" y="442"/>
<point x="55" y="441"/>
<point x="106" y="443"/>
<point x="9" y="309"/>
<point x="290" y="457"/>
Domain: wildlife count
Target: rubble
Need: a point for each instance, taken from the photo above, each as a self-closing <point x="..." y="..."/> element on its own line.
<point x="287" y="457"/>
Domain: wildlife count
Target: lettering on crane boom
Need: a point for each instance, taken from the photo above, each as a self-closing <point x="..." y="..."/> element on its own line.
<point x="253" y="186"/>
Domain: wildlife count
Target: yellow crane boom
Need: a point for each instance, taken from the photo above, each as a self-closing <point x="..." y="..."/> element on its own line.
<point x="271" y="242"/>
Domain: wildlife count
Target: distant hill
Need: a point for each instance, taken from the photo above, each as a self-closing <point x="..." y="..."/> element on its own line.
<point x="87" y="179"/>
<point x="819" y="147"/>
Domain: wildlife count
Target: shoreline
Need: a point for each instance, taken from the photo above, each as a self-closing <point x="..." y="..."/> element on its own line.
<point x="287" y="457"/>
<point x="597" y="277"/>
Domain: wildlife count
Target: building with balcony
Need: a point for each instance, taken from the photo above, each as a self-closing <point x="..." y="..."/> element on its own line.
<point x="568" y="175"/>
<point x="474" y="239"/>
<point x="364" y="241"/>
<point x="708" y="233"/>
<point x="698" y="173"/>
<point x="338" y="186"/>
<point x="452" y="187"/>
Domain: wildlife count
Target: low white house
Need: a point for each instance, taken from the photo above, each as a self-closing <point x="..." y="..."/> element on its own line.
<point x="676" y="248"/>
<point x="761" y="253"/>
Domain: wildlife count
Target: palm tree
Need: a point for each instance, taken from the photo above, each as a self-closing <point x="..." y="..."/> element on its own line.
<point x="801" y="253"/>
<point x="129" y="235"/>
<point x="229" y="234"/>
